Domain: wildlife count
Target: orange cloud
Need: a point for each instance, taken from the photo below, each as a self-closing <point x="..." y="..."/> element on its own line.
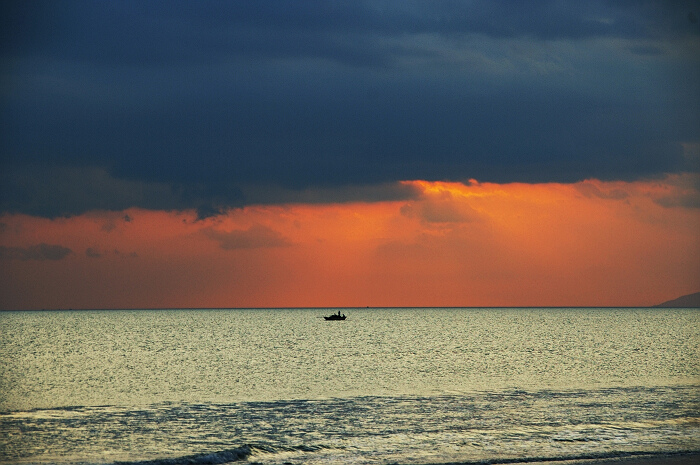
<point x="476" y="244"/>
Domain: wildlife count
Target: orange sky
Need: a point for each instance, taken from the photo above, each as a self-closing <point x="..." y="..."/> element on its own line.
<point x="591" y="243"/>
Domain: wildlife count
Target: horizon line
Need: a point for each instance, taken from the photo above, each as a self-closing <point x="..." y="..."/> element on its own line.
<point x="660" y="306"/>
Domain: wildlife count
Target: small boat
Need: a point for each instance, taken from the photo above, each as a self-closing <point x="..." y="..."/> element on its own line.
<point x="335" y="316"/>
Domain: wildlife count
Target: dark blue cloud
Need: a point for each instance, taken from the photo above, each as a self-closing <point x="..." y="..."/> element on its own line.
<point x="194" y="104"/>
<point x="173" y="32"/>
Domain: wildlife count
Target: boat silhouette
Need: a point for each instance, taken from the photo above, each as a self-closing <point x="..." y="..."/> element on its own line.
<point x="335" y="316"/>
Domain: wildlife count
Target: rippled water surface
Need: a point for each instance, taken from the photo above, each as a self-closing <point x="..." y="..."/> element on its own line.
<point x="386" y="385"/>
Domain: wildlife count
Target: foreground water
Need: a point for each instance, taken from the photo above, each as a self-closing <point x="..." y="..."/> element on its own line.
<point x="385" y="386"/>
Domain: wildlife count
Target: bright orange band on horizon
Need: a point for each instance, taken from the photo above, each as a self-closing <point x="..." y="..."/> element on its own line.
<point x="591" y="243"/>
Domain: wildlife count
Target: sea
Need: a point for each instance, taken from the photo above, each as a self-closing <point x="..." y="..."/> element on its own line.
<point x="385" y="386"/>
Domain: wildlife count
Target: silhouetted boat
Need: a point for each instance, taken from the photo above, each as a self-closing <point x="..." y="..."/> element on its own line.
<point x="335" y="316"/>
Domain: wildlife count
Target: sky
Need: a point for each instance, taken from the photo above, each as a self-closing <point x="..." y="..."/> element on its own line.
<point x="168" y="154"/>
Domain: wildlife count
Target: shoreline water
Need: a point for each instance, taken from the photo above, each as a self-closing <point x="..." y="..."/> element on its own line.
<point x="397" y="386"/>
<point x="682" y="458"/>
<point x="243" y="455"/>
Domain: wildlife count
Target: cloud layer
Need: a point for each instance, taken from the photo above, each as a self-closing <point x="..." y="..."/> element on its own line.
<point x="209" y="105"/>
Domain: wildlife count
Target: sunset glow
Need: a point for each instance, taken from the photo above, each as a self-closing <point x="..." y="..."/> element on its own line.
<point x="591" y="243"/>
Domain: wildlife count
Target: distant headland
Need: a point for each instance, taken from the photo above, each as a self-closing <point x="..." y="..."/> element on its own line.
<point x="686" y="301"/>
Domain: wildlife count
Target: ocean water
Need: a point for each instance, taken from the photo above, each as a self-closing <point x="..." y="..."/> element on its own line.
<point x="406" y="386"/>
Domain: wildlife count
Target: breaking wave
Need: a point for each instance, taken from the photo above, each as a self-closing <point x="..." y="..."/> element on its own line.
<point x="223" y="456"/>
<point x="214" y="458"/>
<point x="246" y="451"/>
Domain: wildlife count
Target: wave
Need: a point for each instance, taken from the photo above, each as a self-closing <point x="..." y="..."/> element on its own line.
<point x="577" y="457"/>
<point x="214" y="458"/>
<point x="245" y="451"/>
<point x="223" y="456"/>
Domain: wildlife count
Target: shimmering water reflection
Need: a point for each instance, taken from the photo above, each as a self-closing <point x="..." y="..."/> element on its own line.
<point x="408" y="385"/>
<point x="54" y="359"/>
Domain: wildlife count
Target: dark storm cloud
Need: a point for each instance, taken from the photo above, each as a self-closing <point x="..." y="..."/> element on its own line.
<point x="65" y="191"/>
<point x="106" y="105"/>
<point x="177" y="31"/>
